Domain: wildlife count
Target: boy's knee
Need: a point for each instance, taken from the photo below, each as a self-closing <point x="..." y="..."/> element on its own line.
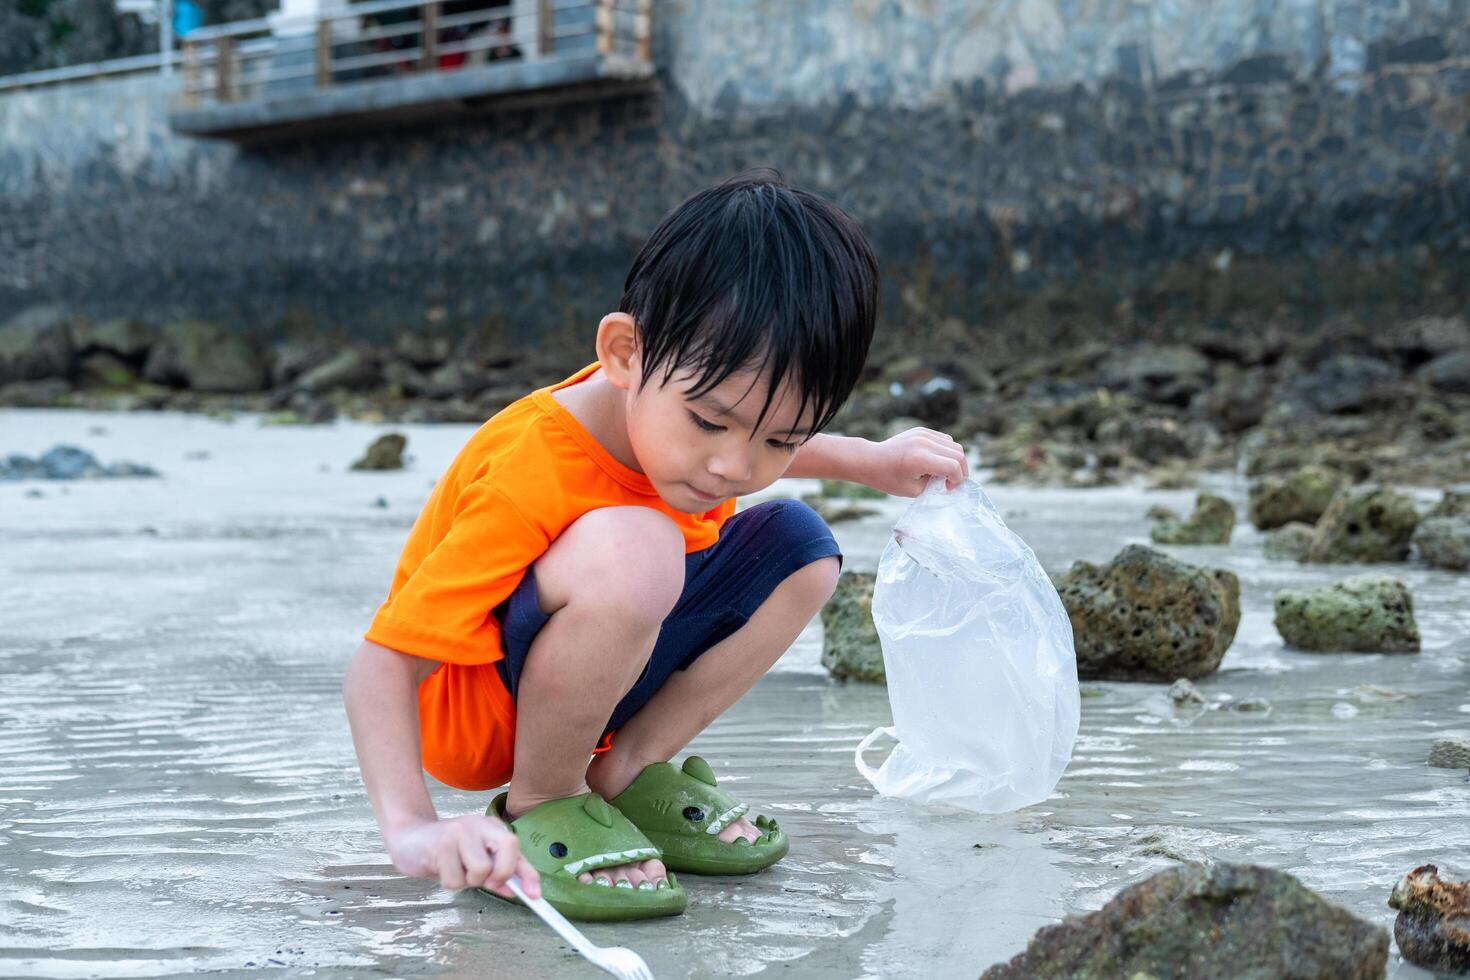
<point x="815" y="582"/>
<point x="630" y="559"/>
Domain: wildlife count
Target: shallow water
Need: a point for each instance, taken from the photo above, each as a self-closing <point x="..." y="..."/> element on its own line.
<point x="178" y="790"/>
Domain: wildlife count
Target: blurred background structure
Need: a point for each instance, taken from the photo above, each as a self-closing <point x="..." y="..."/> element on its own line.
<point x="1031" y="166"/>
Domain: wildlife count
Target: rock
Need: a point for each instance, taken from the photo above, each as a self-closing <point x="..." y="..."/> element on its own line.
<point x="1183" y="692"/>
<point x="386" y="453"/>
<point x="1147" y="616"/>
<point x="1450" y="373"/>
<point x="1364" y="613"/>
<point x="1369" y="525"/>
<point x="1085" y="413"/>
<point x="68" y="463"/>
<point x="1237" y="402"/>
<point x="1444" y="542"/>
<point x="1158" y="512"/>
<point x="1454" y="503"/>
<point x="1251" y="705"/>
<point x="1290" y="542"/>
<point x="1212" y="522"/>
<point x="1433" y="925"/>
<point x="35" y="394"/>
<point x="422" y="351"/>
<point x="1450" y="751"/>
<point x="104" y="369"/>
<point x="36" y="344"/>
<point x="836" y="511"/>
<point x="292" y="358"/>
<point x="1343" y="383"/>
<point x="1171" y="374"/>
<point x="934" y="402"/>
<point x="850" y="491"/>
<point x="205" y="357"/>
<point x="1153" y="440"/>
<point x="353" y="369"/>
<point x="850" y="646"/>
<point x="1206" y="922"/>
<point x="457" y="379"/>
<point x="1301" y="495"/>
<point x="1422" y="339"/>
<point x="122" y="338"/>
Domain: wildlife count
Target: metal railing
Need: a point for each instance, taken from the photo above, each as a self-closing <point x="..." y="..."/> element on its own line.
<point x="135" y="65"/>
<point x="251" y="60"/>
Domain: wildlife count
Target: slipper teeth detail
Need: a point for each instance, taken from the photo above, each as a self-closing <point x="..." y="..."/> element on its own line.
<point x="610" y="859"/>
<point x="725" y="819"/>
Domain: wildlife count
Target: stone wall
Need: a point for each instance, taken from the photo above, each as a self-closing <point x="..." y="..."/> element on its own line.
<point x="1041" y="161"/>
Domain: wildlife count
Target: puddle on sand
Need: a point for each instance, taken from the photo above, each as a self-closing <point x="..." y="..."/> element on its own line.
<point x="178" y="790"/>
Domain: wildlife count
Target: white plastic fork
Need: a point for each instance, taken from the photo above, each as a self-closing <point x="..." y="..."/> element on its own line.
<point x="620" y="961"/>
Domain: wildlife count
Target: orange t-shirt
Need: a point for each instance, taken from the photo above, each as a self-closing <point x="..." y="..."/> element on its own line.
<point x="523" y="477"/>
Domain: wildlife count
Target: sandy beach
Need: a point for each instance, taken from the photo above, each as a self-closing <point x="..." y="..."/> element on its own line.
<point x="179" y="794"/>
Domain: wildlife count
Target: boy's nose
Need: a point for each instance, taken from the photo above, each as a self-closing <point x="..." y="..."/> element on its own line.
<point x="732" y="467"/>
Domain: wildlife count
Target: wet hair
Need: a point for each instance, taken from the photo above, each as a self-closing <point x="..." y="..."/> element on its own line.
<point x="755" y="274"/>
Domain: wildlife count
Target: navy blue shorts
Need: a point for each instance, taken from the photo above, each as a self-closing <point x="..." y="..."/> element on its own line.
<point x="724" y="585"/>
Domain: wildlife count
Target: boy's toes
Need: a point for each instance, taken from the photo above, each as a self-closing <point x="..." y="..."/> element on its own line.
<point x="741" y="829"/>
<point x="655" y="871"/>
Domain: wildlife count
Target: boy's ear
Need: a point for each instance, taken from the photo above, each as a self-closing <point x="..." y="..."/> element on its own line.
<point x="617" y="349"/>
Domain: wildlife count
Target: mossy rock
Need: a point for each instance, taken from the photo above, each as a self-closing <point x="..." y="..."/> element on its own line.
<point x="1302" y="495"/>
<point x="1212" y="522"/>
<point x="1147" y="616"/>
<point x="1363" y="614"/>
<point x="1444" y="542"/>
<point x="1450" y="751"/>
<point x="206" y="357"/>
<point x="1289" y="541"/>
<point x="846" y="490"/>
<point x="1369" y="525"/>
<point x="1454" y="503"/>
<point x="1206" y="922"/>
<point x="850" y="646"/>
<point x="837" y="511"/>
<point x="386" y="453"/>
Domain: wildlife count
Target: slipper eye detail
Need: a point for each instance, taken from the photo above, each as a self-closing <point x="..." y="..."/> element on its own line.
<point x="693" y="814"/>
<point x="558" y="849"/>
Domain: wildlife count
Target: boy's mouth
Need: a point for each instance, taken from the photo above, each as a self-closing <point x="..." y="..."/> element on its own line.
<point x="702" y="495"/>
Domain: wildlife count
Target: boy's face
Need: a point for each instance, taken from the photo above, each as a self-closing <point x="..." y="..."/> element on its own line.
<point x="698" y="452"/>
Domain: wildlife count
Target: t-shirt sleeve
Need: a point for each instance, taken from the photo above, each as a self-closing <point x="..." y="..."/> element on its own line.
<point x="444" y="610"/>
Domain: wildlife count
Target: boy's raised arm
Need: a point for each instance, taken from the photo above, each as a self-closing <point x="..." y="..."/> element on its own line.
<point x="901" y="464"/>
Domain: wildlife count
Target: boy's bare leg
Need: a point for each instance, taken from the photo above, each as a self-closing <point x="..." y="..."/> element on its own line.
<point x="608" y="582"/>
<point x="693" y="698"/>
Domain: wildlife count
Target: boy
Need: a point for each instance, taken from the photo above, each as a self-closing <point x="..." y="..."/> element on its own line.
<point x="578" y="586"/>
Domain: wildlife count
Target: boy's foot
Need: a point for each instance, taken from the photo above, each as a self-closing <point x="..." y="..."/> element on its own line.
<point x="575" y="844"/>
<point x="697" y="826"/>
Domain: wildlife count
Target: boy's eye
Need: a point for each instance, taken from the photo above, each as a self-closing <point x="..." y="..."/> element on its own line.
<point x="785" y="447"/>
<point x="706" y="426"/>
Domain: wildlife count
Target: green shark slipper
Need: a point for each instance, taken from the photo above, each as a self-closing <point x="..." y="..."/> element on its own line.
<point x="564" y="838"/>
<point x="683" y="810"/>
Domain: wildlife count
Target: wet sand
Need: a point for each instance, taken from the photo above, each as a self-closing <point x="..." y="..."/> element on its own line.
<point x="178" y="791"/>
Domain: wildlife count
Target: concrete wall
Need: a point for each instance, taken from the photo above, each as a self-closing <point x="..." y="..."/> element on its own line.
<point x="995" y="151"/>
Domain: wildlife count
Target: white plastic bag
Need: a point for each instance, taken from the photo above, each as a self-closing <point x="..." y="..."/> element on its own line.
<point x="977" y="646"/>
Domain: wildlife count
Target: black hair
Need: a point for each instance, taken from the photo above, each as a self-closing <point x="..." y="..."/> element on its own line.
<point x="753" y="273"/>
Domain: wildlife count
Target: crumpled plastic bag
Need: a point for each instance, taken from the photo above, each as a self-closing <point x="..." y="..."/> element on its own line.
<point x="977" y="647"/>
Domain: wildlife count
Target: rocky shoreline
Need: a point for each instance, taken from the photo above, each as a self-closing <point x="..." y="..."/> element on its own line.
<point x="1386" y="402"/>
